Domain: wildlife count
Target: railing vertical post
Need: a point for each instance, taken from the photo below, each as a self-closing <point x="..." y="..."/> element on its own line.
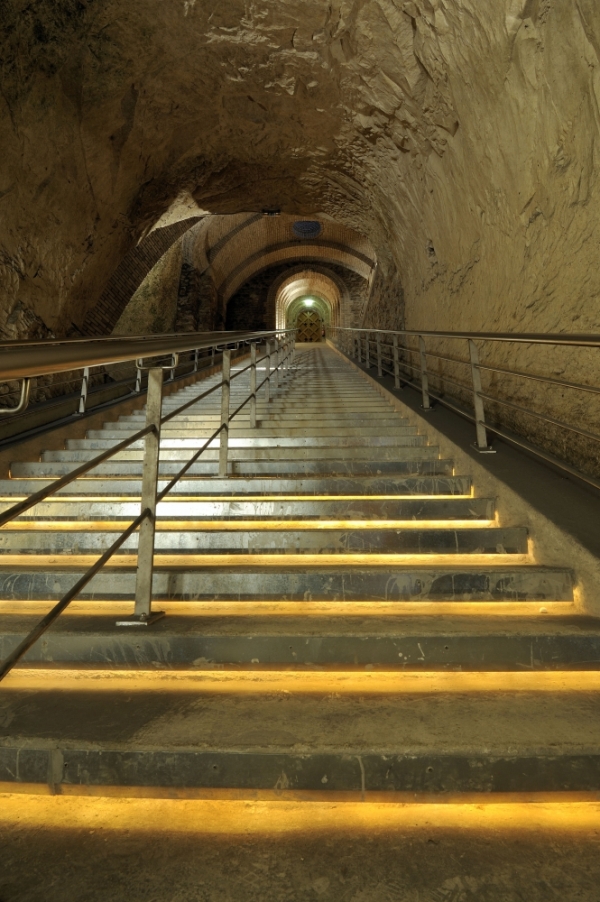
<point x="358" y="353"/>
<point x="268" y="371"/>
<point x="212" y="356"/>
<point x="424" y="375"/>
<point x="277" y="361"/>
<point x="379" y="369"/>
<point x="143" y="614"/>
<point x="396" y="364"/>
<point x="253" y="385"/>
<point x="225" y="395"/>
<point x="368" y="351"/>
<point x="196" y="354"/>
<point x="84" y="390"/>
<point x="138" y="380"/>
<point x="481" y="432"/>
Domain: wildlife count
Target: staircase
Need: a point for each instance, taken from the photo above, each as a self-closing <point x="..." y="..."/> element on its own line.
<point x="345" y="616"/>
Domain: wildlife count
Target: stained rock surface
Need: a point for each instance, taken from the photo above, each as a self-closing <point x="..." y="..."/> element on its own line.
<point x="459" y="136"/>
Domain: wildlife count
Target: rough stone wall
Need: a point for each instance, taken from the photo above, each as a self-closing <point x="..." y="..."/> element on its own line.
<point x="129" y="275"/>
<point x="198" y="305"/>
<point x="385" y="306"/>
<point x="153" y="307"/>
<point x="248" y="308"/>
<point x="459" y="136"/>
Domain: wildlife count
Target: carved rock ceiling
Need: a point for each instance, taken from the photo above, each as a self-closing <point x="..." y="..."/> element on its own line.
<point x="458" y="136"/>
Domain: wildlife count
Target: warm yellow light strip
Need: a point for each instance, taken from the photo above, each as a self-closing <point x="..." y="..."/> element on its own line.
<point x="244" y="559"/>
<point x="301" y="682"/>
<point x="397" y="610"/>
<point x="173" y="810"/>
<point x="258" y="525"/>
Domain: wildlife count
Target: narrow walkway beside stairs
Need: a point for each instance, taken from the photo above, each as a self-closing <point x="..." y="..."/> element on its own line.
<point x="344" y="614"/>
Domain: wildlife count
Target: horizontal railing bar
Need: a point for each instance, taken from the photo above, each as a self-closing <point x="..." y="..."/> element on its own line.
<point x="540" y="416"/>
<point x="546" y="379"/>
<point x="26" y="359"/>
<point x="444" y="378"/>
<point x="571" y="340"/>
<point x="23" y="506"/>
<point x="539" y="452"/>
<point x="217" y="432"/>
<point x="38" y="631"/>
<point x="187" y="404"/>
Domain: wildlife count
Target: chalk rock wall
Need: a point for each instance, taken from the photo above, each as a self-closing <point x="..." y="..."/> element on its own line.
<point x="460" y="136"/>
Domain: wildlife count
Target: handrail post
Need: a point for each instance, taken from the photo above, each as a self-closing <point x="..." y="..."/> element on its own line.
<point x="396" y="364"/>
<point x="481" y="444"/>
<point x="367" y="351"/>
<point x="225" y="396"/>
<point x="143" y="614"/>
<point x="277" y="361"/>
<point x="84" y="390"/>
<point x="253" y="385"/>
<point x="424" y="374"/>
<point x="378" y="342"/>
<point x="138" y="380"/>
<point x="267" y="371"/>
<point x="358" y="353"/>
<point x="212" y="358"/>
<point x="196" y="354"/>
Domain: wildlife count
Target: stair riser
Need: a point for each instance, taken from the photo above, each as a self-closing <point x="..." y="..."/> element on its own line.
<point x="331" y="541"/>
<point x="389" y="583"/>
<point x="426" y="652"/>
<point x="410" y="467"/>
<point x="408" y="449"/>
<point x="236" y="441"/>
<point x="347" y="771"/>
<point x="460" y="509"/>
<point x="337" y="485"/>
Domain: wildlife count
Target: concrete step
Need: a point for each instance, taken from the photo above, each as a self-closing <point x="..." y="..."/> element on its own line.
<point x="201" y="640"/>
<point x="272" y="540"/>
<point x="418" y="732"/>
<point x="471" y="509"/>
<point x="312" y="581"/>
<point x="265" y="428"/>
<point x="409" y="447"/>
<point x="421" y="462"/>
<point x="253" y="441"/>
<point x="388" y="485"/>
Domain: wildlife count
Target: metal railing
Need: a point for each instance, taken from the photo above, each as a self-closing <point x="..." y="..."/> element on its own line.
<point x="32" y="358"/>
<point x="55" y="383"/>
<point x="408" y="356"/>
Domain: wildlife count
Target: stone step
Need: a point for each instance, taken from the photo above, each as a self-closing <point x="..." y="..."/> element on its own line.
<point x="398" y="643"/>
<point x="189" y="438"/>
<point x="409" y="447"/>
<point x="473" y="509"/>
<point x="273" y="540"/>
<point x="313" y="581"/>
<point x="417" y="463"/>
<point x="389" y="485"/>
<point x="418" y="732"/>
<point x="277" y="420"/>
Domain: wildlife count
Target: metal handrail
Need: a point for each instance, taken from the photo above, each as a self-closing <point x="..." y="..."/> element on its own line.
<point x="25" y="359"/>
<point x="355" y="342"/>
<point x="150" y="495"/>
<point x="574" y="339"/>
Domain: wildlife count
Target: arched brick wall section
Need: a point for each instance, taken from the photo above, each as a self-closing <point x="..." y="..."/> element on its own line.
<point x="129" y="275"/>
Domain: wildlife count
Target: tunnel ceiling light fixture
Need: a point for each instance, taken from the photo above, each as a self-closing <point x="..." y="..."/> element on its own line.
<point x="309" y="302"/>
<point x="307" y="228"/>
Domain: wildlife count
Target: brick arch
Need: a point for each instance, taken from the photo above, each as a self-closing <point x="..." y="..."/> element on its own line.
<point x="129" y="275"/>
